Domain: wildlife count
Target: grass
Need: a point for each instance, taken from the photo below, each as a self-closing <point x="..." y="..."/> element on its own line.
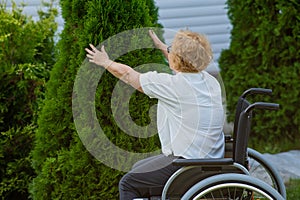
<point x="293" y="189"/>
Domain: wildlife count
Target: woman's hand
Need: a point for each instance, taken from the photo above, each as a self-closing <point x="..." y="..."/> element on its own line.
<point x="157" y="42"/>
<point x="99" y="57"/>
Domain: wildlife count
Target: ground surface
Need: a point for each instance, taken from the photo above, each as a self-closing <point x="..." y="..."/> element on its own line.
<point x="287" y="164"/>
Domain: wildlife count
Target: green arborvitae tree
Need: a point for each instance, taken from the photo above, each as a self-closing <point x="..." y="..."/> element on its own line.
<point x="26" y="57"/>
<point x="65" y="169"/>
<point x="265" y="52"/>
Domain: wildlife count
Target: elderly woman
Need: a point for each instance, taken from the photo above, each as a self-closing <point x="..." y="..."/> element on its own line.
<point x="190" y="114"/>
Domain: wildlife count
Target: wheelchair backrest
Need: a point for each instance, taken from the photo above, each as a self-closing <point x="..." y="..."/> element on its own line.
<point x="243" y="130"/>
<point x="242" y="104"/>
<point x="240" y="142"/>
<point x="242" y="125"/>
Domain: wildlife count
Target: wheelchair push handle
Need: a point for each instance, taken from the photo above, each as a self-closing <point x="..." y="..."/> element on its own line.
<point x="262" y="105"/>
<point x="256" y="91"/>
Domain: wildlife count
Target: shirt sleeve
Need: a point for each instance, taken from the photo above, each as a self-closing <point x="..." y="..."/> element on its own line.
<point x="158" y="85"/>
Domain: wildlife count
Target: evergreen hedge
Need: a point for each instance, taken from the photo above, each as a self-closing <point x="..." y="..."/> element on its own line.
<point x="26" y="56"/>
<point x="65" y="169"/>
<point x="265" y="52"/>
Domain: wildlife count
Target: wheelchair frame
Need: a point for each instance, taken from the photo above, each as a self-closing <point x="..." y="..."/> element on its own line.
<point x="277" y="181"/>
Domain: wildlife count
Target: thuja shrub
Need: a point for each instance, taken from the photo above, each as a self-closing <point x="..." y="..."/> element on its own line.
<point x="65" y="168"/>
<point x="26" y="56"/>
<point x="265" y="52"/>
<point x="16" y="171"/>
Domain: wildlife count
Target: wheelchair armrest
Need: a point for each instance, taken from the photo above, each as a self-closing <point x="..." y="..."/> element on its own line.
<point x="204" y="161"/>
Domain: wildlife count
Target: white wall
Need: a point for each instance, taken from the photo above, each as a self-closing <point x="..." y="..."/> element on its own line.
<point x="203" y="16"/>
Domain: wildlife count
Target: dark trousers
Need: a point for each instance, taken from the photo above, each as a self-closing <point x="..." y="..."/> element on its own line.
<point x="147" y="177"/>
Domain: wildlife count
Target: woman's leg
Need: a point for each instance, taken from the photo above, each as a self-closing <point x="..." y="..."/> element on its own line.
<point x="147" y="177"/>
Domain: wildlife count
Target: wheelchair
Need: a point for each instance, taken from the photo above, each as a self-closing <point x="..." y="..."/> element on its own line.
<point x="257" y="163"/>
<point x="229" y="177"/>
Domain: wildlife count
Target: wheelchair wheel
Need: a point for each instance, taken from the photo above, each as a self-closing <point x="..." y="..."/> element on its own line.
<point x="260" y="168"/>
<point x="232" y="186"/>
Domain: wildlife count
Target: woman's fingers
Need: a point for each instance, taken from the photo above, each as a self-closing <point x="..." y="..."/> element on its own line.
<point x="102" y="48"/>
<point x="89" y="51"/>
<point x="155" y="39"/>
<point x="152" y="34"/>
<point x="89" y="56"/>
<point x="93" y="48"/>
<point x="96" y="56"/>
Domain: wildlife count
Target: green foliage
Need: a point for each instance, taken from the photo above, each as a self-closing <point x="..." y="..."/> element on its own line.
<point x="24" y="41"/>
<point x="265" y="52"/>
<point x="26" y="56"/>
<point x="16" y="171"/>
<point x="75" y="174"/>
<point x="293" y="189"/>
<point x="21" y="87"/>
<point x="65" y="169"/>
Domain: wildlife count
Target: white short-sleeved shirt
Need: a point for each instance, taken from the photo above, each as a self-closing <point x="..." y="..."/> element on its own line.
<point x="190" y="114"/>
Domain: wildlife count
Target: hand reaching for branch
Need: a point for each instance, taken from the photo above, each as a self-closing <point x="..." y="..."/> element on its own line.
<point x="157" y="42"/>
<point x="99" y="57"/>
<point x="119" y="70"/>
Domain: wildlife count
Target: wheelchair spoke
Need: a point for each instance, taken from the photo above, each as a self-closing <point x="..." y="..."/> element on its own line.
<point x="260" y="168"/>
<point x="259" y="171"/>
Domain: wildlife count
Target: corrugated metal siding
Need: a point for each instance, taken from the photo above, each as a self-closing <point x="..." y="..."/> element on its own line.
<point x="203" y="16"/>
